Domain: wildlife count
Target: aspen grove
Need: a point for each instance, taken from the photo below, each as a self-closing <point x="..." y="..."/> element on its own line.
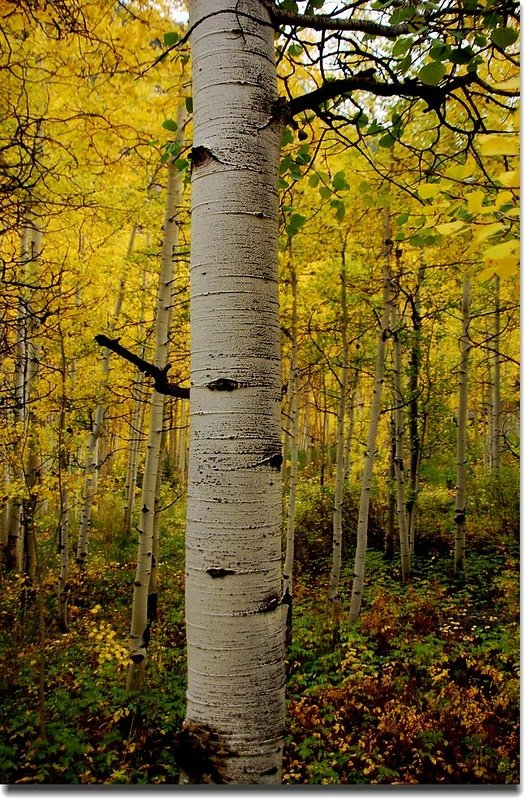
<point x="260" y="392"/>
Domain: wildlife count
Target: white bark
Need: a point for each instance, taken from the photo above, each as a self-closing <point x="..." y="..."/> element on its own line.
<point x="91" y="463"/>
<point x="337" y="516"/>
<point x="134" y="450"/>
<point x="292" y="424"/>
<point x="375" y="412"/>
<point x="495" y="444"/>
<point x="461" y="449"/>
<point x="139" y="633"/>
<point x="399" y="461"/>
<point x="234" y="615"/>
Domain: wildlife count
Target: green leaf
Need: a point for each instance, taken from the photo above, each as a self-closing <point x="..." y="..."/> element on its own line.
<point x="432" y="73"/>
<point x="295" y="50"/>
<point x="504" y="37"/>
<point x="461" y="55"/>
<point x="297" y="220"/>
<point x="387" y="140"/>
<point x="170" y="125"/>
<point x="339" y="182"/>
<point x="290" y="5"/>
<point x="325" y="192"/>
<point x="440" y="51"/>
<point x="171" y="38"/>
<point x="189" y="105"/>
<point x="402" y="14"/>
<point x="313" y="180"/>
<point x="405" y="64"/>
<point x="401" y="219"/>
<point x="182" y="164"/>
<point x="287" y="137"/>
<point x="401" y="46"/>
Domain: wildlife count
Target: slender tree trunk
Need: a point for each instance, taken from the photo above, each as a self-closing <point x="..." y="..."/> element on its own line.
<point x="496" y="383"/>
<point x="461" y="460"/>
<point x="337" y="516"/>
<point x="399" y="462"/>
<point x="293" y="423"/>
<point x="14" y="536"/>
<point x="134" y="451"/>
<point x="233" y="732"/>
<point x="140" y="620"/>
<point x="63" y="494"/>
<point x="392" y="493"/>
<point x="413" y="412"/>
<point x="92" y="459"/>
<point x="32" y="465"/>
<point x="375" y="412"/>
<point x="351" y="426"/>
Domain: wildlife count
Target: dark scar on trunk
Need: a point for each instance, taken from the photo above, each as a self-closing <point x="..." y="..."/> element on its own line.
<point x="222" y="385"/>
<point x="201" y="155"/>
<point x="216" y="572"/>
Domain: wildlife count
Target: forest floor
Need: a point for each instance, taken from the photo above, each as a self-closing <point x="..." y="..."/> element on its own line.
<point x="424" y="689"/>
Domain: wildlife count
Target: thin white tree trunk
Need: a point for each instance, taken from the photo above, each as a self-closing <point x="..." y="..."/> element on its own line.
<point x="495" y="443"/>
<point x="140" y="622"/>
<point x="134" y="450"/>
<point x="234" y="725"/>
<point x="375" y="412"/>
<point x="399" y="461"/>
<point x="461" y="459"/>
<point x="337" y="515"/>
<point x="413" y="410"/>
<point x="292" y="424"/>
<point x="91" y="463"/>
<point x="32" y="464"/>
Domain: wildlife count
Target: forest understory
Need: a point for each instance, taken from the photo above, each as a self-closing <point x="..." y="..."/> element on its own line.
<point x="423" y="689"/>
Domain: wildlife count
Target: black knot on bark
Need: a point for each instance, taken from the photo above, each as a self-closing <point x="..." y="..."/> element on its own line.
<point x="217" y="572"/>
<point x="222" y="385"/>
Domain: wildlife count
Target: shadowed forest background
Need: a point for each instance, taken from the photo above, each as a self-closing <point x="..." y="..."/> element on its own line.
<point x="399" y="313"/>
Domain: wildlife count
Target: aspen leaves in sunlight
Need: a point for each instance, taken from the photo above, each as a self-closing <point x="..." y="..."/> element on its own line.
<point x="486" y="219"/>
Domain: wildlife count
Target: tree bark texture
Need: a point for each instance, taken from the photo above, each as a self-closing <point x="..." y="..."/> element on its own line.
<point x="461" y="448"/>
<point x="233" y="732"/>
<point x="495" y="443"/>
<point x="292" y="423"/>
<point x="337" y="515"/>
<point x="399" y="461"/>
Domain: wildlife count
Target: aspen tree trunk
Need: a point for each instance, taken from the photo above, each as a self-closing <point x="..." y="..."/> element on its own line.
<point x="337" y="516"/>
<point x="152" y="601"/>
<point x="392" y="493"/>
<point x="234" y="725"/>
<point x="63" y="494"/>
<point x="495" y="444"/>
<point x="136" y="421"/>
<point x="375" y="412"/>
<point x="461" y="460"/>
<point x="140" y="620"/>
<point x="399" y="461"/>
<point x="134" y="450"/>
<point x="32" y="465"/>
<point x="351" y="426"/>
<point x="13" y="553"/>
<point x="293" y="423"/>
<point x="413" y="411"/>
<point x="91" y="463"/>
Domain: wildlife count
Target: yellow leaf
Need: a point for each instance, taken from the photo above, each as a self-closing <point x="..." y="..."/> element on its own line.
<point x="460" y="171"/>
<point x="499" y="144"/>
<point x="428" y="190"/>
<point x="511" y="179"/>
<point x="450" y="228"/>
<point x="511" y="85"/>
<point x="475" y="201"/>
<point x="499" y="251"/>
<point x="487" y="230"/>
